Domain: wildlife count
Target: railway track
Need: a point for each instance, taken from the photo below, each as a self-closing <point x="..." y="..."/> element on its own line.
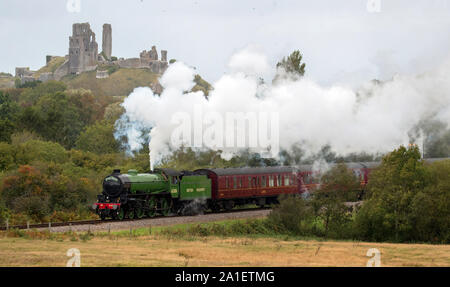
<point x="99" y="221"/>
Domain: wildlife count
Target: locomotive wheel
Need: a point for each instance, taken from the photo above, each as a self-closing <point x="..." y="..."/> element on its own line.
<point x="152" y="204"/>
<point x="121" y="214"/>
<point x="215" y="207"/>
<point x="139" y="212"/>
<point x="130" y="213"/>
<point x="229" y="205"/>
<point x="165" y="206"/>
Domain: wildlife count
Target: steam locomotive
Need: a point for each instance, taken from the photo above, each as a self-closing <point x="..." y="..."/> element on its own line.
<point x="167" y="191"/>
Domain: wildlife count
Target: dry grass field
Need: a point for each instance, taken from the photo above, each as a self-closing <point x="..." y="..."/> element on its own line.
<point x="156" y="250"/>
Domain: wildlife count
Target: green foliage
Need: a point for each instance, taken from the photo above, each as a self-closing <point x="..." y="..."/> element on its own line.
<point x="113" y="112"/>
<point x="60" y="116"/>
<point x="396" y="190"/>
<point x="39" y="190"/>
<point x="291" y="66"/>
<point x="293" y="215"/>
<point x="201" y="85"/>
<point x="8" y="116"/>
<point x="33" y="93"/>
<point x="171" y="61"/>
<point x="18" y="84"/>
<point x="338" y="185"/>
<point x="98" y="138"/>
<point x="6" y="156"/>
<point x="36" y="150"/>
<point x="112" y="69"/>
<point x="430" y="207"/>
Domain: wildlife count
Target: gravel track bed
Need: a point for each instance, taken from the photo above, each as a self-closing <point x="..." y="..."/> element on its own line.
<point x="161" y="221"/>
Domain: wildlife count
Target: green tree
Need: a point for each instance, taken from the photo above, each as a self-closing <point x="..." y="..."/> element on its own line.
<point x="6" y="156"/>
<point x="34" y="92"/>
<point x="98" y="138"/>
<point x="290" y="67"/>
<point x="8" y="116"/>
<point x="55" y="118"/>
<point x="201" y="85"/>
<point x="387" y="214"/>
<point x="337" y="185"/>
<point x="430" y="207"/>
<point x="37" y="150"/>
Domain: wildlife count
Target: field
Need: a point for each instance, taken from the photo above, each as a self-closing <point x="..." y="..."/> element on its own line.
<point x="145" y="247"/>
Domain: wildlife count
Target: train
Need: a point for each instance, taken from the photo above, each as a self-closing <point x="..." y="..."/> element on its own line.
<point x="166" y="191"/>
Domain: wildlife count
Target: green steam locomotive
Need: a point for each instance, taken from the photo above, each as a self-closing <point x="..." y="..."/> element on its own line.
<point x="164" y="191"/>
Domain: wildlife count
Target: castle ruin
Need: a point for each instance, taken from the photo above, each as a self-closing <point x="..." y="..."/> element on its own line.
<point x="107" y="41"/>
<point x="83" y="49"/>
<point x="83" y="56"/>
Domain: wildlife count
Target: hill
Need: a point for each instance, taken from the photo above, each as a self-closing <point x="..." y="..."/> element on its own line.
<point x="119" y="84"/>
<point x="6" y="80"/>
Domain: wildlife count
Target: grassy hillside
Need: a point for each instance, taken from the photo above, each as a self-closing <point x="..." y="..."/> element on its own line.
<point x="119" y="84"/>
<point x="50" y="67"/>
<point x="7" y="82"/>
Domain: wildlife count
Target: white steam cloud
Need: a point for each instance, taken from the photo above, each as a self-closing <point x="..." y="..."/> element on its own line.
<point x="377" y="118"/>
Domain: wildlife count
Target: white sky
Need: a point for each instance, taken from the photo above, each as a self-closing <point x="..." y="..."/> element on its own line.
<point x="341" y="40"/>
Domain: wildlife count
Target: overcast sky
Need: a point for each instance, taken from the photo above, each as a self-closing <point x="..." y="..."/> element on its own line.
<point x="342" y="41"/>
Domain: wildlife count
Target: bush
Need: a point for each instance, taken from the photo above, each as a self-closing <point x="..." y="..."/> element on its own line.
<point x="293" y="215"/>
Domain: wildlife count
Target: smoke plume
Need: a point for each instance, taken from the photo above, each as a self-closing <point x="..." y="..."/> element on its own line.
<point x="378" y="117"/>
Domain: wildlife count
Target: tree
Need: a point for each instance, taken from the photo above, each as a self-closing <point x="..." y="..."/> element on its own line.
<point x="56" y="118"/>
<point x="26" y="190"/>
<point x="34" y="92"/>
<point x="201" y="85"/>
<point x="8" y="117"/>
<point x="430" y="215"/>
<point x="98" y="138"/>
<point x="290" y="67"/>
<point x="6" y="156"/>
<point x="387" y="214"/>
<point x="338" y="185"/>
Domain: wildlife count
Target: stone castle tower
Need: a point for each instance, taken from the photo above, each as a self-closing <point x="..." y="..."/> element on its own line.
<point x="83" y="49"/>
<point x="107" y="41"/>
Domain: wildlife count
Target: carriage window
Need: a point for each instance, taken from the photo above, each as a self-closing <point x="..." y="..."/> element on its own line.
<point x="234" y="182"/>
<point x="240" y="182"/>
<point x="263" y="182"/>
<point x="286" y="180"/>
<point x="270" y="180"/>
<point x="291" y="180"/>
<point x="279" y="180"/>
